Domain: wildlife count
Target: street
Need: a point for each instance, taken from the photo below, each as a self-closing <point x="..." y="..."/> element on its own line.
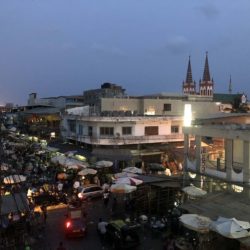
<point x="95" y="209"/>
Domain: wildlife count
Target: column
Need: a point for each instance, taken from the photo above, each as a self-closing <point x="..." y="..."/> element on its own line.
<point x="185" y="169"/>
<point x="229" y="158"/>
<point x="198" y="153"/>
<point x="246" y="168"/>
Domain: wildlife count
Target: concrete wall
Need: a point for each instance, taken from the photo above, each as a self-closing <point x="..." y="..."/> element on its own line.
<point x="142" y="105"/>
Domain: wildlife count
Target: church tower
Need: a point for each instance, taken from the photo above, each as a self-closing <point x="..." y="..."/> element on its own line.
<point x="206" y="84"/>
<point x="189" y="86"/>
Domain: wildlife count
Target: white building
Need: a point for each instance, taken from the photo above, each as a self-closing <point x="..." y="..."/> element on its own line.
<point x="220" y="150"/>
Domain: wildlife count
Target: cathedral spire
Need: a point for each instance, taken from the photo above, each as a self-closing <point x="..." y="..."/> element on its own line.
<point x="189" y="87"/>
<point x="207" y="84"/>
<point x="206" y="73"/>
<point x="189" y="78"/>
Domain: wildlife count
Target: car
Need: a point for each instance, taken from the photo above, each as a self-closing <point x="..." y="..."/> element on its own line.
<point x="121" y="235"/>
<point x="75" y="227"/>
<point x="89" y="192"/>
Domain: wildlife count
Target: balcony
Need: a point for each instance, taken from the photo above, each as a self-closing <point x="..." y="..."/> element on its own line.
<point x="125" y="140"/>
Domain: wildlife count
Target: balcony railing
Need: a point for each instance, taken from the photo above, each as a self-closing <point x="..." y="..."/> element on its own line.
<point x="121" y="140"/>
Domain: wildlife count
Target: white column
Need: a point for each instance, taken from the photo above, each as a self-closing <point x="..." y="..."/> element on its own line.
<point x="229" y="158"/>
<point x="198" y="153"/>
<point x="246" y="168"/>
<point x="246" y="163"/>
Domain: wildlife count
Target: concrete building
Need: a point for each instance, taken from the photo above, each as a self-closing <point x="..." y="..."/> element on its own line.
<point x="61" y="102"/>
<point x="219" y="152"/>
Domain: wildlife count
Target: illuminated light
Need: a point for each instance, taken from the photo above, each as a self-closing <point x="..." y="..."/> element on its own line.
<point x="34" y="138"/>
<point x="150" y="111"/>
<point x="80" y="157"/>
<point x="237" y="189"/>
<point x="68" y="224"/>
<point x="52" y="135"/>
<point x="218" y="103"/>
<point x="187" y="115"/>
<point x="192" y="175"/>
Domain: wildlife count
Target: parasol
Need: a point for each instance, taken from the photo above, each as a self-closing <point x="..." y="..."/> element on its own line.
<point x="231" y="227"/>
<point x="194" y="191"/>
<point x="129" y="180"/>
<point x="87" y="171"/>
<point x="104" y="164"/>
<point x="122" y="188"/>
<point x="133" y="170"/>
<point x="12" y="179"/>
<point x="196" y="222"/>
<point x="124" y="174"/>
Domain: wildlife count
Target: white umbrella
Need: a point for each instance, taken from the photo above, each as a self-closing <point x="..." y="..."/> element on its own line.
<point x="133" y="170"/>
<point x="104" y="164"/>
<point x="231" y="227"/>
<point x="129" y="180"/>
<point x="194" y="191"/>
<point x="122" y="188"/>
<point x="4" y="167"/>
<point x="73" y="167"/>
<point x="124" y="174"/>
<point x="11" y="179"/>
<point x="196" y="222"/>
<point x="87" y="171"/>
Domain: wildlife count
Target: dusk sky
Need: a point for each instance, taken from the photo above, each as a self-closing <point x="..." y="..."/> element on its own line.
<point x="63" y="47"/>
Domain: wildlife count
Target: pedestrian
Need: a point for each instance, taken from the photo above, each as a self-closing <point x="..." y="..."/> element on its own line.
<point x="101" y="227"/>
<point x="44" y="212"/>
<point x="61" y="247"/>
<point x="106" y="198"/>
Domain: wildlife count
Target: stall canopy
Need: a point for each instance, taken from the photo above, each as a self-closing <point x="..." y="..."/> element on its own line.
<point x="14" y="203"/>
<point x="213" y="205"/>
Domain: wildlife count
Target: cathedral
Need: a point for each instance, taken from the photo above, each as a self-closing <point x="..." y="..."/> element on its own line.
<point x="206" y="84"/>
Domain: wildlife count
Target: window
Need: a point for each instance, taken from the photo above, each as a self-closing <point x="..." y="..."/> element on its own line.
<point x="72" y="126"/>
<point x="106" y="131"/>
<point x="126" y="130"/>
<point x="90" y="131"/>
<point x="167" y="107"/>
<point x="174" y="129"/>
<point x="80" y="128"/>
<point x="152" y="130"/>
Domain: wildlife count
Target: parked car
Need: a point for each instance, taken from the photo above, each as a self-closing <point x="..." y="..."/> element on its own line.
<point x="89" y="192"/>
<point x="122" y="236"/>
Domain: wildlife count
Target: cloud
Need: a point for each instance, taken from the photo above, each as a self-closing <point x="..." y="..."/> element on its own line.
<point x="177" y="44"/>
<point x="209" y="10"/>
<point x="102" y="49"/>
<point x="67" y="46"/>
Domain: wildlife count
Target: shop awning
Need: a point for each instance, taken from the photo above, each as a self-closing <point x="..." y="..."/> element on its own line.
<point x="222" y="204"/>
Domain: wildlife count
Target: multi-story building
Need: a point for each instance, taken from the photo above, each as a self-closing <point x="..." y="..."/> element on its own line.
<point x="117" y="123"/>
<point x="219" y="150"/>
<point x="61" y="102"/>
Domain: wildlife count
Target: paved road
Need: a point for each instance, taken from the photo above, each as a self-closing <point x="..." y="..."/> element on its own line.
<point x="95" y="210"/>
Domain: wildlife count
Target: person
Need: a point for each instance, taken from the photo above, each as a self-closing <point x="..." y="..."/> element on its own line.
<point x="106" y="198"/>
<point x="102" y="228"/>
<point x="61" y="247"/>
<point x="44" y="212"/>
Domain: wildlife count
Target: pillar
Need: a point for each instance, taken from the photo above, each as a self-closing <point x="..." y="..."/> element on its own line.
<point x="198" y="153"/>
<point x="229" y="158"/>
